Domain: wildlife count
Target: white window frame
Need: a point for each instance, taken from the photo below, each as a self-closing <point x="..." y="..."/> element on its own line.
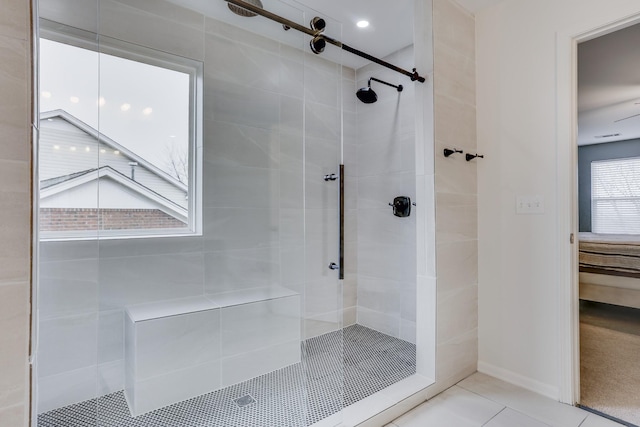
<point x="110" y="46"/>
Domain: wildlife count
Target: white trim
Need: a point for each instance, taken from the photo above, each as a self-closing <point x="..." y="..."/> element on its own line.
<point x="167" y="205"/>
<point x="566" y="173"/>
<point x="519" y="380"/>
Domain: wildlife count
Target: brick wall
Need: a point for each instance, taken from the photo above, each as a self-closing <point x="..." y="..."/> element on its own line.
<point x="61" y="219"/>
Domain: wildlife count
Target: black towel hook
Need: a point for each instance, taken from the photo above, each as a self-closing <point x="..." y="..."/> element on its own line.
<point x="448" y="151"/>
<point x="473" y="156"/>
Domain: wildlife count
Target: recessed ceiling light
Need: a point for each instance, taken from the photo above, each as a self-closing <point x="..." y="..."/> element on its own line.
<point x="74" y="99"/>
<point x="147" y="111"/>
<point x="46" y="94"/>
<point x="362" y="24"/>
<point x="101" y="101"/>
<point x="125" y="107"/>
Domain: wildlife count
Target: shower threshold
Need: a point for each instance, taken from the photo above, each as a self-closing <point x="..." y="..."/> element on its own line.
<point x="338" y="369"/>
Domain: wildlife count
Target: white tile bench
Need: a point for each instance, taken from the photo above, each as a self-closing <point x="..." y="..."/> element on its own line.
<point x="179" y="349"/>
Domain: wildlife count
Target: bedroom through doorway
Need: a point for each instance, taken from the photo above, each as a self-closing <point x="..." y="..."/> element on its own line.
<point x="609" y="224"/>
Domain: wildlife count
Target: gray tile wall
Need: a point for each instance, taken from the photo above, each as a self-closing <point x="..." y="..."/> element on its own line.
<point x="386" y="244"/>
<point x="456" y="193"/>
<point x="15" y="215"/>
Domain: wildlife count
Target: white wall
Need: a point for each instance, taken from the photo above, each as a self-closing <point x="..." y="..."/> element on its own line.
<point x="519" y="274"/>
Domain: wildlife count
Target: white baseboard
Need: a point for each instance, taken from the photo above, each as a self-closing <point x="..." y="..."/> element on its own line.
<point x="519" y="380"/>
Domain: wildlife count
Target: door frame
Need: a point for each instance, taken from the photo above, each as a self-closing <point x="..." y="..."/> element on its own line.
<point x="567" y="197"/>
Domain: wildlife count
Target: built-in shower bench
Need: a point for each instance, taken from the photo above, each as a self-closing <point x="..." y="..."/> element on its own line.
<point x="182" y="348"/>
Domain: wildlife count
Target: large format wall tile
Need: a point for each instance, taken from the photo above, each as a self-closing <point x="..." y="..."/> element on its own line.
<point x="458" y="77"/>
<point x="15" y="219"/>
<point x="454" y="28"/>
<point x="233" y="145"/>
<point x="456" y="122"/>
<point x="236" y="228"/>
<point x="386" y="168"/>
<point x="241" y="269"/>
<point x="157" y="25"/>
<point x="14" y="69"/>
<point x="14" y="21"/>
<point x="160" y="246"/>
<point x="66" y="388"/>
<point x="174" y="343"/>
<point x="68" y="287"/>
<point x="135" y="280"/>
<point x="240" y="187"/>
<point x="84" y="13"/>
<point x="457" y="311"/>
<point x="253" y="67"/>
<point x="14" y="304"/>
<point x="457" y="218"/>
<point x="67" y="344"/>
<point x="247" y="327"/>
<point x="240" y="104"/>
<point x="456" y="193"/>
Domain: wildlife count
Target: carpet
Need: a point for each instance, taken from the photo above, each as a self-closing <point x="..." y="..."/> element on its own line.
<point x="610" y="372"/>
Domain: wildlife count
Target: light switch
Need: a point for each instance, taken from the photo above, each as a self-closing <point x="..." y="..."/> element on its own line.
<point x="529" y="205"/>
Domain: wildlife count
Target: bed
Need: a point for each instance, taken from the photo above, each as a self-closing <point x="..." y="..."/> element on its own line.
<point x="610" y="268"/>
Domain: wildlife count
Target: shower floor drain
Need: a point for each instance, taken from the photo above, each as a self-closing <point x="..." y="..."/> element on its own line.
<point x="244" y="401"/>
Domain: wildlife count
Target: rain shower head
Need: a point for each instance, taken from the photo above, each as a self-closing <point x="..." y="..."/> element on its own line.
<point x="368" y="96"/>
<point x="244" y="12"/>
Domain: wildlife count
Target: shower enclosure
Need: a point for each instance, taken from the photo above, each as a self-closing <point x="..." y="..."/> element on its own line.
<point x="216" y="245"/>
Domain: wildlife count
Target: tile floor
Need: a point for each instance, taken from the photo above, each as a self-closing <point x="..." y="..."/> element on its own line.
<point x="481" y="400"/>
<point x="339" y="369"/>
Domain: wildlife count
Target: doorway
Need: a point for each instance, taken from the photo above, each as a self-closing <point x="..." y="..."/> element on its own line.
<point x="608" y="209"/>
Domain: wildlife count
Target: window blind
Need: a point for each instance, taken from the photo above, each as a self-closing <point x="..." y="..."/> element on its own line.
<point x="615" y="196"/>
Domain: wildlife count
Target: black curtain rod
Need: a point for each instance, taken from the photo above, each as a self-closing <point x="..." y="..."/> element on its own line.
<point x="413" y="75"/>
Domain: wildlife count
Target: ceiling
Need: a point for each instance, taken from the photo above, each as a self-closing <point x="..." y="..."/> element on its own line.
<point x="390" y="29"/>
<point x="609" y="87"/>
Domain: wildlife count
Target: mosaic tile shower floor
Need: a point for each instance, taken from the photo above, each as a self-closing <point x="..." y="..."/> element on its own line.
<point x="338" y="369"/>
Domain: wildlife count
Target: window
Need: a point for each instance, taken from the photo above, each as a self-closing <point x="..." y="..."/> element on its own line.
<point x="119" y="140"/>
<point x="615" y="196"/>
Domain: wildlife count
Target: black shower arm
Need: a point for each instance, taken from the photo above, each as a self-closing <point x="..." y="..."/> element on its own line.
<point x="384" y="83"/>
<point x="413" y="75"/>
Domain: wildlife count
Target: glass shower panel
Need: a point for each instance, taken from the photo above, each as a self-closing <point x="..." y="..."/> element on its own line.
<point x="66" y="368"/>
<point x="323" y="302"/>
<point x="386" y="244"/>
<point x="202" y="284"/>
<point x="216" y="314"/>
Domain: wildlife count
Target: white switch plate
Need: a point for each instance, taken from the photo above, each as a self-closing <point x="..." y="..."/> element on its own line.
<point x="529" y="205"/>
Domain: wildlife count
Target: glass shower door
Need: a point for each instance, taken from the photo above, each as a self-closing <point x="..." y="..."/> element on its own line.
<point x="323" y="300"/>
<point x="207" y="278"/>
